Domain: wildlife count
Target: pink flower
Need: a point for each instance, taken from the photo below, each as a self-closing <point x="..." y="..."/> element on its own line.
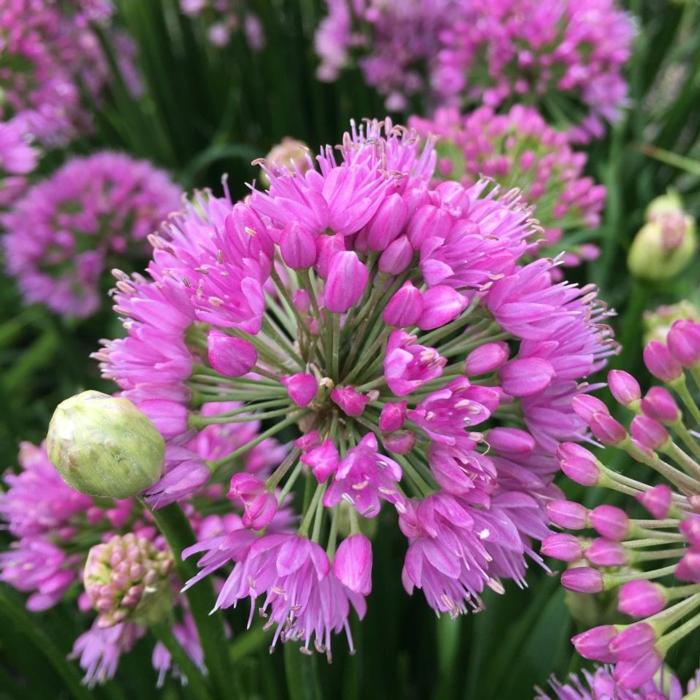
<point x="408" y="365"/>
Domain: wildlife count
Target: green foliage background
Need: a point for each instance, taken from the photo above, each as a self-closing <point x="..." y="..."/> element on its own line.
<point x="209" y="111"/>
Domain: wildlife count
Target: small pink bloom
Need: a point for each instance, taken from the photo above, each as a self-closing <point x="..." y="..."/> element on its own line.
<point x="301" y="387"/>
<point x="232" y="357"/>
<point x="323" y="460"/>
<point x="408" y="365"/>
<point x="392" y="416"/>
<point x="353" y="564"/>
<point x="524" y="377"/>
<point x="259" y="505"/>
<point x="346" y="282"/>
<point x="400" y="442"/>
<point x="349" y="400"/>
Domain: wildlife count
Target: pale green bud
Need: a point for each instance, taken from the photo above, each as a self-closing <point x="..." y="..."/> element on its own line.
<point x="104" y="446"/>
<point x="665" y="245"/>
<point x="290" y="154"/>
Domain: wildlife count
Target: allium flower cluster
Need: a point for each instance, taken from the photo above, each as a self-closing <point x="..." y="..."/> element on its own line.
<point x="398" y="39"/>
<point x="223" y="18"/>
<point x="385" y="327"/>
<point x="47" y="53"/>
<point x="69" y="228"/>
<point x="601" y="685"/>
<point x="519" y="149"/>
<point x="568" y="55"/>
<point x="652" y="563"/>
<point x="18" y="157"/>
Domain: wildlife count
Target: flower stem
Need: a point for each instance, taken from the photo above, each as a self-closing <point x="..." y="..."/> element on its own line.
<point x="174" y="526"/>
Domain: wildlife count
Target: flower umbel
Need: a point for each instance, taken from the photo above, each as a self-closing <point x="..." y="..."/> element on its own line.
<point x="339" y="305"/>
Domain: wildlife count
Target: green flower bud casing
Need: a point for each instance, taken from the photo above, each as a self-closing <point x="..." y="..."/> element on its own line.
<point x="104" y="446"/>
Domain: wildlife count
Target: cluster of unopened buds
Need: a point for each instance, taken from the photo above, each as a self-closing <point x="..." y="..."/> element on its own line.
<point x="127" y="578"/>
<point x="653" y="563"/>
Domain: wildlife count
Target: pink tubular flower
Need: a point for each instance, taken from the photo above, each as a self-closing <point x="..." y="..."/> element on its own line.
<point x="68" y="229"/>
<point x="361" y="369"/>
<point x="648" y="562"/>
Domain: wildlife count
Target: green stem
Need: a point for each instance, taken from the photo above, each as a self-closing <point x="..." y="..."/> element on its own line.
<point x="176" y="529"/>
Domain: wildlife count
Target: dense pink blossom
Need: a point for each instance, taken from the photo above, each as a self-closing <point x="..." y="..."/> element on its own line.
<point x="518" y="149"/>
<point x="339" y="305"/>
<point x="68" y="229"/>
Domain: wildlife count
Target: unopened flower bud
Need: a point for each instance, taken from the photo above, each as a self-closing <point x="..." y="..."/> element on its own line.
<point x="594" y="643"/>
<point x="401" y="442"/>
<point x="301" y="387"/>
<point x="610" y="522"/>
<point x="582" y="579"/>
<point x="641" y="598"/>
<point x="347" y="279"/>
<point x="486" y="358"/>
<point x="441" y="305"/>
<point x="526" y="376"/>
<point x="104" y="446"/>
<point x="397" y="256"/>
<point x="657" y="500"/>
<point x="633" y="641"/>
<point x="349" y="400"/>
<point x="290" y="154"/>
<point x="568" y="514"/>
<point x="562" y="546"/>
<point x="665" y="244"/>
<point x="259" y="505"/>
<point x="353" y="564"/>
<point x="684" y="342"/>
<point x="585" y="406"/>
<point x="298" y="247"/>
<point x="578" y="464"/>
<point x="405" y="307"/>
<point x="649" y="433"/>
<point x="387" y="223"/>
<point x="232" y="357"/>
<point x="660" y="362"/>
<point x="607" y="429"/>
<point x="660" y="405"/>
<point x="126" y="578"/>
<point x="510" y="441"/>
<point x="604" y="552"/>
<point x="392" y="416"/>
<point x="624" y="388"/>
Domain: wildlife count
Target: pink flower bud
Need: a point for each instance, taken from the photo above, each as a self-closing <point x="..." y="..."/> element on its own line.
<point x="401" y="442"/>
<point x="690" y="527"/>
<point x="578" y="464"/>
<point x="568" y="514"/>
<point x="563" y="547"/>
<point x="405" y="307"/>
<point x="353" y="564"/>
<point x="232" y="357"/>
<point x="441" y="304"/>
<point x="624" y="387"/>
<point x="641" y="598"/>
<point x="582" y="579"/>
<point x="327" y="247"/>
<point x="346" y="282"/>
<point x="259" y="505"/>
<point x="170" y="417"/>
<point x="637" y="671"/>
<point x="397" y="257"/>
<point x="392" y="416"/>
<point x="301" y="387"/>
<point x="603" y="552"/>
<point x="648" y="432"/>
<point x="510" y="441"/>
<point x="308" y="441"/>
<point x="610" y="522"/>
<point x="684" y="342"/>
<point x="323" y="460"/>
<point x="428" y="221"/>
<point x="607" y="429"/>
<point x="486" y="358"/>
<point x="349" y="400"/>
<point x="660" y="405"/>
<point x="657" y="500"/>
<point x="633" y="641"/>
<point x="525" y="377"/>
<point x="660" y="362"/>
<point x="387" y="223"/>
<point x="298" y="247"/>
<point x="688" y="568"/>
<point x="585" y="406"/>
<point x="594" y="643"/>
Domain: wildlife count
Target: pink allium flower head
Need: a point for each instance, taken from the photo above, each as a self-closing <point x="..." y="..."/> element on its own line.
<point x="519" y="149"/>
<point x="361" y="367"/>
<point x="50" y="55"/>
<point x="497" y="52"/>
<point x="635" y="554"/>
<point x="68" y="229"/>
